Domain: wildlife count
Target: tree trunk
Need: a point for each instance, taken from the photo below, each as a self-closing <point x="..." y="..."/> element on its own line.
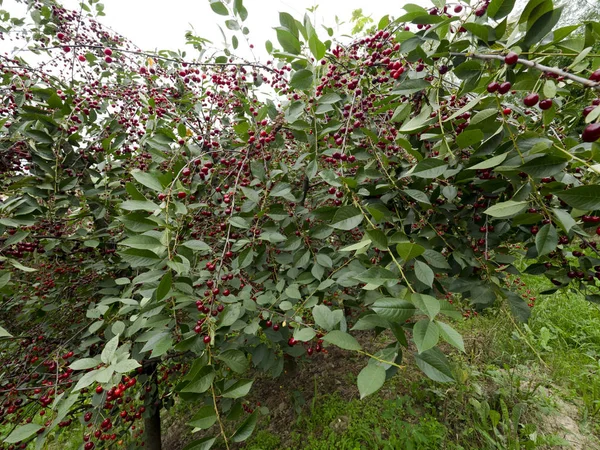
<point x="152" y="431"/>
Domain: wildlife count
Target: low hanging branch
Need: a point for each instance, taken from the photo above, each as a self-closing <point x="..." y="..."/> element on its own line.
<point x="534" y="65"/>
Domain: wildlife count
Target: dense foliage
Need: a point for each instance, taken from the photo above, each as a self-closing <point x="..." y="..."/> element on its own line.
<point x="172" y="225"/>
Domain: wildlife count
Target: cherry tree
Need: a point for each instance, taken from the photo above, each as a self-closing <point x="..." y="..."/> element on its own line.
<point x="172" y="225"/>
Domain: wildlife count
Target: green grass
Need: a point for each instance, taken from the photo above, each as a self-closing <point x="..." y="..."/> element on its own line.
<point x="370" y="424"/>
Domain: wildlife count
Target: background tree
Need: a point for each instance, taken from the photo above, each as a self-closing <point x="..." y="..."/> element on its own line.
<point x="173" y="224"/>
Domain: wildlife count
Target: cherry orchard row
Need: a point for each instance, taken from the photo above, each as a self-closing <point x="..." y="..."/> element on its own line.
<point x="174" y="225"/>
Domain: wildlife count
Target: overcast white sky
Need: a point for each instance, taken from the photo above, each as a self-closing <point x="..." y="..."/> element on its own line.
<point x="160" y="24"/>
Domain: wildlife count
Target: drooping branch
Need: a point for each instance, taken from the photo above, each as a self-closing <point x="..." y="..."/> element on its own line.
<point x="534" y="65"/>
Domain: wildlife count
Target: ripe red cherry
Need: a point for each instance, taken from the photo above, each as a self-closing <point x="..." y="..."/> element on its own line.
<point x="89" y="446"/>
<point x="181" y="195"/>
<point x="595" y="76"/>
<point x="162" y="196"/>
<point x="458" y="8"/>
<point x="591" y="132"/>
<point x="108" y="52"/>
<point x="546" y="104"/>
<point x="493" y="86"/>
<point x="504" y="87"/>
<point x="511" y="58"/>
<point x="531" y="99"/>
<point x="206" y="339"/>
<point x="81" y="58"/>
<point x="99" y="389"/>
<point x="506" y="111"/>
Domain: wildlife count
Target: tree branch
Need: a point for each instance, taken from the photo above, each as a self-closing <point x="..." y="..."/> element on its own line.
<point x="534" y="65"/>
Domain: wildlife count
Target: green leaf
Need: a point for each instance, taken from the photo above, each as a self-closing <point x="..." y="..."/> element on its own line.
<point x="506" y="209"/>
<point x="499" y="9"/>
<point x="394" y="309"/>
<point x="4" y="279"/>
<point x="426" y="335"/>
<point x="84" y="363"/>
<point x="4" y="333"/>
<point x="147" y="179"/>
<point x="376" y="276"/>
<point x="218" y="7"/>
<point x="434" y="364"/>
<point x="546" y="239"/>
<point x="162" y="346"/>
<point x="240" y="10"/>
<point x="317" y="48"/>
<point x="518" y="306"/>
<point x="564" y="219"/>
<point x="21" y="267"/>
<point x="468" y="138"/>
<point x="586" y="198"/>
<point x="544" y="166"/>
<point x="347" y="218"/>
<point x="302" y="80"/>
<point x="324" y="317"/>
<point x="126" y="366"/>
<point x="238" y="389"/>
<point x="143" y="243"/>
<point x="139" y="205"/>
<point x="235" y="360"/>
<point x="429" y="305"/>
<point x="164" y="287"/>
<point x="542" y="27"/>
<point x="204" y="418"/>
<point x="451" y="336"/>
<point x="205" y="443"/>
<point x="378" y="238"/>
<point x="417" y="195"/>
<point x="199" y="246"/>
<point x="201" y="382"/>
<point x="489" y="163"/>
<point x="86" y="380"/>
<point x="408" y="250"/>
<point x="289" y="43"/>
<point x="329" y="98"/>
<point x="109" y="350"/>
<point x="246" y="428"/>
<point x="429" y="168"/>
<point x="22" y="433"/>
<point x="39" y="136"/>
<point x="424" y="273"/>
<point x="342" y="340"/>
<point x="304" y="334"/>
<point x="370" y="379"/>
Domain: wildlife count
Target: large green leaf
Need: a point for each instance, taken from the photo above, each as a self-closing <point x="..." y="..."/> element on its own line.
<point x="22" y="433"/>
<point x="434" y="364"/>
<point x="394" y="309"/>
<point x="586" y="198"/>
<point x="506" y="209"/>
<point x="347" y="218"/>
<point x="426" y="335"/>
<point x="370" y="379"/>
<point x="302" y="79"/>
<point x="546" y="239"/>
<point x="342" y="340"/>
